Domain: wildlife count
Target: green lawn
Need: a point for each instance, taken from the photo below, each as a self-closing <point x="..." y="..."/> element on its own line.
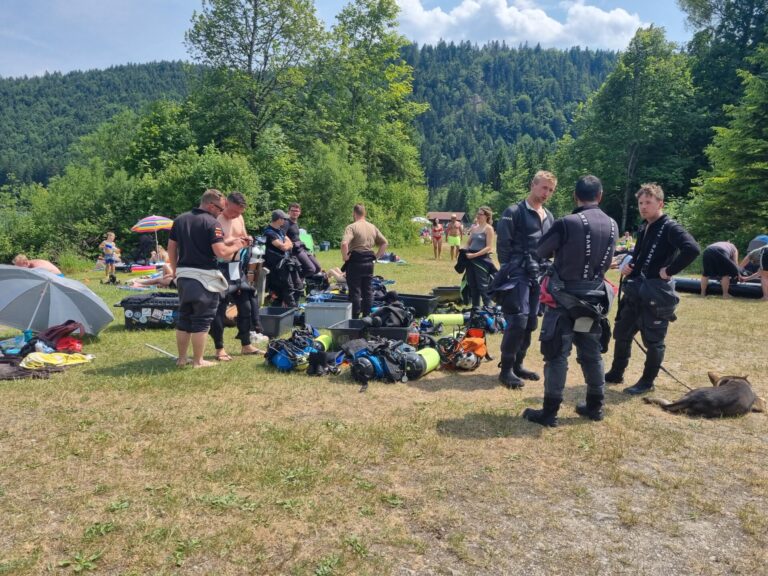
<point x="131" y="466"/>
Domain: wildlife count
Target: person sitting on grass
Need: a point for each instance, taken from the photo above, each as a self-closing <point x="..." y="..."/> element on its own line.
<point x="22" y="261"/>
<point x="164" y="280"/>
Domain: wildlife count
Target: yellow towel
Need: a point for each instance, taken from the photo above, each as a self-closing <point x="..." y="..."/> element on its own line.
<point x="37" y="360"/>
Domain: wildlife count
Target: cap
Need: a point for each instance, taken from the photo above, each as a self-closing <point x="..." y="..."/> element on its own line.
<point x="277" y="214"/>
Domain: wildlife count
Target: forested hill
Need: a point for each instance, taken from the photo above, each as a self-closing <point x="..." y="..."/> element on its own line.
<point x="41" y="117"/>
<point x="481" y="100"/>
<point x="484" y="99"/>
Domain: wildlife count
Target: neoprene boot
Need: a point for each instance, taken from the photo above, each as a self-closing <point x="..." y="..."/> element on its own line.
<point x="641" y="387"/>
<point x="547" y="416"/>
<point x="522" y="372"/>
<point x="645" y="384"/>
<point x="507" y="376"/>
<point x="592" y="408"/>
<point x="615" y="375"/>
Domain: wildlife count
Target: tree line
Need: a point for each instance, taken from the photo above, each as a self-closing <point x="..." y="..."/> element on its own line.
<point x="281" y="109"/>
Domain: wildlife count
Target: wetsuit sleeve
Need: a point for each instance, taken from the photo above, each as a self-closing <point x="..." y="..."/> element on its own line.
<point x="552" y="240"/>
<point x="687" y="247"/>
<point x="505" y="234"/>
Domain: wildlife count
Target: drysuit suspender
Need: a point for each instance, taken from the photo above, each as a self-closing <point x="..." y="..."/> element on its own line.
<point x="585" y="275"/>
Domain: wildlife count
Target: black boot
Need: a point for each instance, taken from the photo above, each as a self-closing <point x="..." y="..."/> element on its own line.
<point x="592" y="408"/>
<point x="641" y="387"/>
<point x="525" y="374"/>
<point x="547" y="416"/>
<point x="614" y="376"/>
<point x="507" y="376"/>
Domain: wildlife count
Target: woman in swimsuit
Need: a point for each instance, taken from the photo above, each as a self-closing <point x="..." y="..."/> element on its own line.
<point x="437" y="238"/>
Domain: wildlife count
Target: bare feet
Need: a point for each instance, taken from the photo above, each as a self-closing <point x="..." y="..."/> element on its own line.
<point x="204" y="364"/>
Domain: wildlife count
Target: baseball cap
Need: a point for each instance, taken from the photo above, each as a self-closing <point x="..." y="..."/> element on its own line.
<point x="277" y="214"/>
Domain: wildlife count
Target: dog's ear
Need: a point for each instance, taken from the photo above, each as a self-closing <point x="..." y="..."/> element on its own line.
<point x="759" y="405"/>
<point x="714" y="377"/>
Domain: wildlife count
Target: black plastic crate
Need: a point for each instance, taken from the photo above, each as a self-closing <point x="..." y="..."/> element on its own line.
<point x="422" y="305"/>
<point x="276" y="320"/>
<point x="155" y="310"/>
<point x="343" y="332"/>
<point x="447" y="294"/>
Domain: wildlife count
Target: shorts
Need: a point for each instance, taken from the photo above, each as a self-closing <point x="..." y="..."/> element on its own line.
<point x="454" y="241"/>
<point x="197" y="306"/>
<point x="717" y="264"/>
<point x="109" y="260"/>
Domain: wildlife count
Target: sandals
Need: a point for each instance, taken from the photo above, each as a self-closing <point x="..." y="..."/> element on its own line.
<point x="223" y="358"/>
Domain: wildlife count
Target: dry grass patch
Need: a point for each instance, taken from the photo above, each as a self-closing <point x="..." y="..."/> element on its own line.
<point x="129" y="466"/>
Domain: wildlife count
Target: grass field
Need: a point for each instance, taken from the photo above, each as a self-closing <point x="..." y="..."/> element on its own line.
<point x="129" y="466"/>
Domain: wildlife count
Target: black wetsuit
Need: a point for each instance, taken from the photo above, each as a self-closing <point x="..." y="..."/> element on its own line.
<point x="309" y="264"/>
<point x="283" y="277"/>
<point x="648" y="302"/>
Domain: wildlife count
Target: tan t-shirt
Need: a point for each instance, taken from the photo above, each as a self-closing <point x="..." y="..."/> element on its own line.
<point x="362" y="236"/>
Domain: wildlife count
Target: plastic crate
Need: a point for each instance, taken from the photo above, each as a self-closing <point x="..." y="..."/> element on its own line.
<point x="343" y="332"/>
<point x="326" y="314"/>
<point x="447" y="294"/>
<point x="422" y="305"/>
<point x="155" y="310"/>
<point x="276" y="320"/>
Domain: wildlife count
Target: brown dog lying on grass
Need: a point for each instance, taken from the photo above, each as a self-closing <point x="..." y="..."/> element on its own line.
<point x="729" y="396"/>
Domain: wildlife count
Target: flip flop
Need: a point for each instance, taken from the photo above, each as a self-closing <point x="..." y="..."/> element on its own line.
<point x="223" y="358"/>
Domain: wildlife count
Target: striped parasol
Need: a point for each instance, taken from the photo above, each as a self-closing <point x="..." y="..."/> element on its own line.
<point x="152" y="224"/>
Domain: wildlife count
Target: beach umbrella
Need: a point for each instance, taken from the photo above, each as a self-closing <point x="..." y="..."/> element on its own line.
<point x="152" y="224"/>
<point x="35" y="299"/>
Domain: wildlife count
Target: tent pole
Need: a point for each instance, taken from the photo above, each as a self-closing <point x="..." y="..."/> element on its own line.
<point x="39" y="302"/>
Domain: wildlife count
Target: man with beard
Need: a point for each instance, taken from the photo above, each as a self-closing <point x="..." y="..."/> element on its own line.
<point x="664" y="248"/>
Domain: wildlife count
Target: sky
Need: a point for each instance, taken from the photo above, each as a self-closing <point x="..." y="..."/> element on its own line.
<point x="38" y="36"/>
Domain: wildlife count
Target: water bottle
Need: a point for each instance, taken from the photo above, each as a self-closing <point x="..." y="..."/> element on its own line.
<point x="413" y="335"/>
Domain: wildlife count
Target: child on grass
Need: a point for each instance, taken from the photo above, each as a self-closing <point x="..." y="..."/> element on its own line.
<point x="109" y="252"/>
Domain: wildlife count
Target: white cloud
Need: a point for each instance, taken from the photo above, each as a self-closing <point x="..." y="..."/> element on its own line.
<point x="519" y="21"/>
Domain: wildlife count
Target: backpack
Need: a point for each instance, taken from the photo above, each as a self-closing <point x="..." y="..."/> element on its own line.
<point x="54" y="333"/>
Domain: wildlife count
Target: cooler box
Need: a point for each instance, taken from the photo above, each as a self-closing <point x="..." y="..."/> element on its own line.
<point x="155" y="310"/>
<point x="276" y="320"/>
<point x="422" y="305"/>
<point x="326" y="314"/>
<point x="447" y="294"/>
<point x="347" y="330"/>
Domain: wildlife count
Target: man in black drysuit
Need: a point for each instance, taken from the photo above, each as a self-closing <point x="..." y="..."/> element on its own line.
<point x="516" y="286"/>
<point x="583" y="244"/>
<point x="283" y="277"/>
<point x="664" y="248"/>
